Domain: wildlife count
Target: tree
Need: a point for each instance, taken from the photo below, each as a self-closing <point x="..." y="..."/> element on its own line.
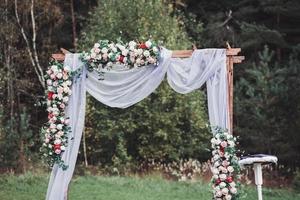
<point x="165" y="126"/>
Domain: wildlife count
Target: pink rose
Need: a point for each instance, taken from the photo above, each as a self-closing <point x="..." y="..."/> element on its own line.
<point x="52" y="76"/>
<point x="57" y="151"/>
<point x="67" y="121"/>
<point x="223" y="144"/>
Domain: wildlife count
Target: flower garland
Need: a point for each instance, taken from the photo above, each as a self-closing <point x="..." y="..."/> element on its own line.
<point x="55" y="131"/>
<point x="225" y="167"/>
<point x="105" y="54"/>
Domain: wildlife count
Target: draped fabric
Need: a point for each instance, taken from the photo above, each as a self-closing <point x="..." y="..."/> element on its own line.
<point x="124" y="87"/>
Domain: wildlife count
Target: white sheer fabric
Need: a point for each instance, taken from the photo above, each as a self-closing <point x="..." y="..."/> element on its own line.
<point x="123" y="88"/>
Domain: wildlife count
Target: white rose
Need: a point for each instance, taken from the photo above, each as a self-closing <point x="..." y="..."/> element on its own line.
<point x="225" y="163"/>
<point x="232" y="184"/>
<point x="52" y="126"/>
<point x="125" y="52"/>
<point x="59" y="96"/>
<point x="65" y="76"/>
<point x="151" y="60"/>
<point x="222" y="185"/>
<point x="60" y="90"/>
<point x="148" y="44"/>
<point x="93" y="55"/>
<point x="146" y="53"/>
<point x="140" y="51"/>
<point x="54" y="68"/>
<point x="225" y="191"/>
<point x="138" y="61"/>
<point x="218" y="193"/>
<point x="121" y="47"/>
<point x="233" y="190"/>
<point x="56" y="113"/>
<point x="231" y="143"/>
<point x="59" y="75"/>
<point x="155" y="49"/>
<point x="104" y="56"/>
<point x="224" y="170"/>
<point x="104" y="50"/>
<point x="57" y="141"/>
<point x="66" y="89"/>
<point x="68" y="83"/>
<point x="96" y="45"/>
<point x="230" y="169"/>
<point x="97" y="50"/>
<point x="215" y="176"/>
<point x="215" y="171"/>
<point x="67" y="68"/>
<point x="63" y="148"/>
<point x="59" y="126"/>
<point x="222" y="177"/>
<point x="65" y="99"/>
<point x="109" y="64"/>
<point x="87" y="57"/>
<point x="217" y="164"/>
<point x="216" y="157"/>
<point x="132" y="44"/>
<point x="218" y="141"/>
<point x="228" y="197"/>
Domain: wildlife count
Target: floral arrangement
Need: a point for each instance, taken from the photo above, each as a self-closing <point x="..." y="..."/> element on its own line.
<point x="105" y="54"/>
<point x="55" y="131"/>
<point x="225" y="167"/>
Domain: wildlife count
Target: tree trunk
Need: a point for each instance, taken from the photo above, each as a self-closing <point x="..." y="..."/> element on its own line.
<point x="73" y="25"/>
<point x="84" y="150"/>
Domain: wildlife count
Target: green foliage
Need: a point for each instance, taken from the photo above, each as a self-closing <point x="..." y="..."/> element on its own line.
<point x="15" y="139"/>
<point x="165" y="126"/>
<point x="296" y="181"/>
<point x="263" y="105"/>
<point x="134" y="20"/>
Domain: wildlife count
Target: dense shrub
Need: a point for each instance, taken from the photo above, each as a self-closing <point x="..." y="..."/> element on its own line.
<point x="165" y="126"/>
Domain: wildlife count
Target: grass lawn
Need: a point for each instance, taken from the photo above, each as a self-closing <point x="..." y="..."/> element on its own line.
<point x="33" y="187"/>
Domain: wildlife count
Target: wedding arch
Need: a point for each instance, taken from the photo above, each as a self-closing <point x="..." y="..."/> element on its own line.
<point x="186" y="70"/>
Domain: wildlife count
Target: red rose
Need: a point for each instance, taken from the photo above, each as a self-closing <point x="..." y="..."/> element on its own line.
<point x="56" y="146"/>
<point x="222" y="149"/>
<point x="143" y="46"/>
<point x="218" y="181"/>
<point x="50" y="116"/>
<point x="50" y="95"/>
<point x="121" y="59"/>
<point x="229" y="179"/>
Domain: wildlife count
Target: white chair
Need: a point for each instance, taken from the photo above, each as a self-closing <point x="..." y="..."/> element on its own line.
<point x="257" y="161"/>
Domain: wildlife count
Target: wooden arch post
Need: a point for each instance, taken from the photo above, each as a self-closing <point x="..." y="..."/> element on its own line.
<point x="232" y="58"/>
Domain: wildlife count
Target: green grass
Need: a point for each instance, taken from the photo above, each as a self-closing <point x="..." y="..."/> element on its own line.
<point x="33" y="187"/>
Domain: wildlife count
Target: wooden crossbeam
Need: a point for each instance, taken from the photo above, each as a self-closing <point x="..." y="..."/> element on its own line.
<point x="232" y="58"/>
